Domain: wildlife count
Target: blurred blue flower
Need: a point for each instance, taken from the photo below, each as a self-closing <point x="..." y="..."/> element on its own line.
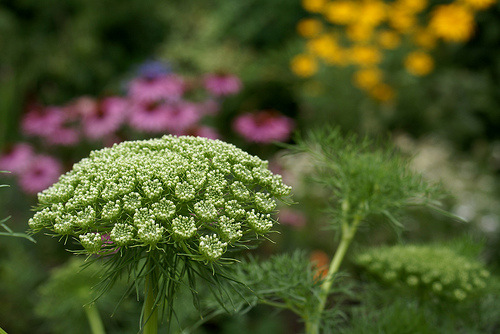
<point x="153" y="68"/>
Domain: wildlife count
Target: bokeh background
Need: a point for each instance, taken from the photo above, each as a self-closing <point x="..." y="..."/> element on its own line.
<point x="81" y="75"/>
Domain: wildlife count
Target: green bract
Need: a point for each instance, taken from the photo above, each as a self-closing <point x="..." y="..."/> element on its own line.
<point x="436" y="270"/>
<point x="196" y="195"/>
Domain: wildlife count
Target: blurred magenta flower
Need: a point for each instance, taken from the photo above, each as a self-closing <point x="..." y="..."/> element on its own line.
<point x="292" y="218"/>
<point x="149" y="116"/>
<point x="64" y="135"/>
<point x="17" y="159"/>
<point x="40" y="121"/>
<point x="222" y="84"/>
<point x="202" y="131"/>
<point x="166" y="87"/>
<point x="209" y="107"/>
<point x="106" y="117"/>
<point x="264" y="126"/>
<point x="83" y="106"/>
<point x="181" y="116"/>
<point x="43" y="171"/>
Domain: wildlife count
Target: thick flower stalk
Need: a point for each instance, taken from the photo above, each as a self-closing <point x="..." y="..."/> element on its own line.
<point x="176" y="201"/>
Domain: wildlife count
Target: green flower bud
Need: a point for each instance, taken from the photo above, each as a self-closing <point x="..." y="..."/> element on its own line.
<point x="122" y="234"/>
<point x="183" y="227"/>
<point x="264" y="202"/>
<point x="205" y="210"/>
<point x="230" y="230"/>
<point x="211" y="248"/>
<point x="164" y="209"/>
<point x="260" y="223"/>
<point x="111" y="210"/>
<point x="92" y="242"/>
<point x="149" y="232"/>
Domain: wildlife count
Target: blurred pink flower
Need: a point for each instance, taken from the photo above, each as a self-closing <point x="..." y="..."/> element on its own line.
<point x="63" y="135"/>
<point x="202" y="131"/>
<point x="106" y="117"/>
<point x="209" y="107"/>
<point x="39" y="121"/>
<point x="149" y="117"/>
<point x="17" y="159"/>
<point x="222" y="84"/>
<point x="43" y="171"/>
<point x="292" y="218"/>
<point x="264" y="126"/>
<point x="181" y="116"/>
<point x="151" y="89"/>
<point x="83" y="106"/>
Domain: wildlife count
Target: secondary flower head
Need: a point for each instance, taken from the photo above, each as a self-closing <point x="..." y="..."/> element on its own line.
<point x="432" y="269"/>
<point x="264" y="126"/>
<point x="178" y="195"/>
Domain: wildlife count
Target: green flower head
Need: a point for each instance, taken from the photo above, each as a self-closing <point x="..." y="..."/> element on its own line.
<point x="437" y="270"/>
<point x="197" y="196"/>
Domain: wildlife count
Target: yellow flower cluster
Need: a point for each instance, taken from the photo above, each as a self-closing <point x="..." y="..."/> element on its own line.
<point x="361" y="33"/>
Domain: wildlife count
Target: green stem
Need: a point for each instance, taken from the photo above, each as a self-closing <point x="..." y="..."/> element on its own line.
<point x="150" y="325"/>
<point x="94" y="319"/>
<point x="348" y="232"/>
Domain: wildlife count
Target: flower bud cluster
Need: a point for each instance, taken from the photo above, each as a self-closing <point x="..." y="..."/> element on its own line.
<point x="435" y="269"/>
<point x="211" y="248"/>
<point x="186" y="192"/>
<point x="92" y="242"/>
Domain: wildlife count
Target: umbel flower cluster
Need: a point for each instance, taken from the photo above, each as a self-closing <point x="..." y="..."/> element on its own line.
<point x="197" y="195"/>
<point x="436" y="270"/>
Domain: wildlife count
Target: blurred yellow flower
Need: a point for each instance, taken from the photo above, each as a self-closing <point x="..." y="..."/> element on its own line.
<point x="365" y="55"/>
<point x="339" y="57"/>
<point x="401" y="19"/>
<point x="313" y="6"/>
<point x="453" y="22"/>
<point x="388" y="39"/>
<point x="478" y="4"/>
<point x="424" y="39"/>
<point x="359" y="32"/>
<point x="367" y="78"/>
<point x="413" y="6"/>
<point x="419" y="63"/>
<point x="309" y="27"/>
<point x="372" y="13"/>
<point x="341" y="11"/>
<point x="322" y="46"/>
<point x="304" y="65"/>
<point x="382" y="92"/>
<point x="327" y="48"/>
